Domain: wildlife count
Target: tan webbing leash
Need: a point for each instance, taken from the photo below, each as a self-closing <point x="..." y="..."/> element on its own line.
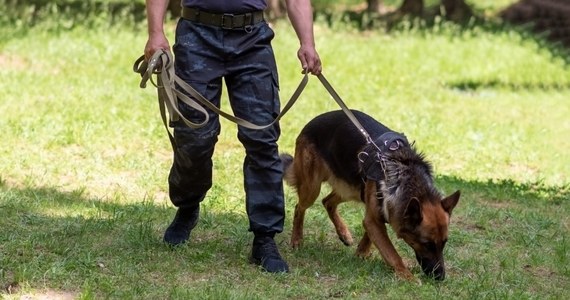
<point x="161" y="64"/>
<point x="344" y="108"/>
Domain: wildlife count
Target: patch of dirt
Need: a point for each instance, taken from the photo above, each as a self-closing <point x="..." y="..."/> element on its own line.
<point x="13" y="289"/>
<point x="539" y="271"/>
<point x="464" y="224"/>
<point x="12" y="62"/>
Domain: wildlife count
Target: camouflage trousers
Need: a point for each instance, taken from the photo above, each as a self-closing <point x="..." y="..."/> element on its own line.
<point x="244" y="59"/>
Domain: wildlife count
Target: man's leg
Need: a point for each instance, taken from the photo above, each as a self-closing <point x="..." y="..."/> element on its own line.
<point x="253" y="90"/>
<point x="191" y="172"/>
<point x="190" y="178"/>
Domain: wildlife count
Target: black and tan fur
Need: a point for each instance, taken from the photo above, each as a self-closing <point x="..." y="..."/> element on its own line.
<point x="327" y="151"/>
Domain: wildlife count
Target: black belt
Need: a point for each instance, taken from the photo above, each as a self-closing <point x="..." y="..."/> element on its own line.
<point x="226" y="21"/>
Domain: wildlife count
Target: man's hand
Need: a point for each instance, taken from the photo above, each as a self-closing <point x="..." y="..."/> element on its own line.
<point x="155" y="12"/>
<point x="300" y="14"/>
<point x="310" y="61"/>
<point x="155" y="43"/>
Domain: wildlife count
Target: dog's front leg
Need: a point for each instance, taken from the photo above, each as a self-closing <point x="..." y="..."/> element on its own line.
<point x="378" y="234"/>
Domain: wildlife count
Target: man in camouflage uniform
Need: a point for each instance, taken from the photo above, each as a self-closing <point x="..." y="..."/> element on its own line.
<point x="218" y="39"/>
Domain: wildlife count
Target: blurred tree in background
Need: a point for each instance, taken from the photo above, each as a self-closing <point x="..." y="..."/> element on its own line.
<point x="548" y="18"/>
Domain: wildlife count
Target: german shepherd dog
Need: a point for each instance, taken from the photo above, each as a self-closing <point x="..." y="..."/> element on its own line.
<point x="389" y="176"/>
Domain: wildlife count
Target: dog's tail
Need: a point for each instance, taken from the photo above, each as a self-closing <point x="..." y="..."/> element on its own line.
<point x="288" y="173"/>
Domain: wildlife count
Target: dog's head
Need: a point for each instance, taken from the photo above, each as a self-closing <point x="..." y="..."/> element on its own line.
<point x="425" y="228"/>
<point x="418" y="213"/>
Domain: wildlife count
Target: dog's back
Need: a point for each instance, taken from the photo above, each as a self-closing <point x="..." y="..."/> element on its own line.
<point x="334" y="140"/>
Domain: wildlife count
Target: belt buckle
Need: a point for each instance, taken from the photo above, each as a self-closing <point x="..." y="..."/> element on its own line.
<point x="227" y="18"/>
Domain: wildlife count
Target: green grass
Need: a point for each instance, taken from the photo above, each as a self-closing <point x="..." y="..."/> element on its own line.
<point x="84" y="162"/>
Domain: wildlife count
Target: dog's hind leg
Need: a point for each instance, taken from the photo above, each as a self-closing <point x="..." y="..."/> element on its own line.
<point x="309" y="174"/>
<point x="364" y="246"/>
<point x="308" y="193"/>
<point x="331" y="203"/>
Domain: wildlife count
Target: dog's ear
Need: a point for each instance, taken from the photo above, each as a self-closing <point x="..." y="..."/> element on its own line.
<point x="413" y="212"/>
<point x="449" y="202"/>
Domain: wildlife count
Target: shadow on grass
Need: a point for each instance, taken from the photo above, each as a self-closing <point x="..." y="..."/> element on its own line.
<point x="535" y="193"/>
<point x="473" y="85"/>
<point x="47" y="234"/>
<point x="66" y="238"/>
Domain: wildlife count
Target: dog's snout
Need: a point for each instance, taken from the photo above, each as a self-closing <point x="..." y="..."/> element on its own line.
<point x="432" y="268"/>
<point x="439" y="274"/>
<point x="435" y="271"/>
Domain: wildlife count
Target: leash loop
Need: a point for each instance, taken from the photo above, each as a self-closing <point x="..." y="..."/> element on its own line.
<point x="172" y="88"/>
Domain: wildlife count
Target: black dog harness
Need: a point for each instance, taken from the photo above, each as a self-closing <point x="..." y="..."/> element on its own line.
<point x="370" y="159"/>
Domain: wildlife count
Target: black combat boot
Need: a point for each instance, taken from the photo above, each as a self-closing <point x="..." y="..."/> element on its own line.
<point x="179" y="230"/>
<point x="265" y="254"/>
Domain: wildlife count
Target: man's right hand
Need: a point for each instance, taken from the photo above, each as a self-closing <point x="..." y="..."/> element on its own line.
<point x="155" y="12"/>
<point x="155" y="43"/>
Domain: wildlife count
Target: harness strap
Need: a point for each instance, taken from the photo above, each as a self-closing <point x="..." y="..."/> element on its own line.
<point x="371" y="158"/>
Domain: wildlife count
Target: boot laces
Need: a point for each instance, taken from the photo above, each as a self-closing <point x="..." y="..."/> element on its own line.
<point x="269" y="248"/>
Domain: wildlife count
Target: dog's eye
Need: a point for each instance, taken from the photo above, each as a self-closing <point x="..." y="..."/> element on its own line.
<point x="430" y="246"/>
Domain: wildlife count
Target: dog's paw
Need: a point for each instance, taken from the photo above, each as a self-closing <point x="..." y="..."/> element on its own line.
<point x="346" y="240"/>
<point x="364" y="249"/>
<point x="364" y="254"/>
<point x="408" y="276"/>
<point x="295" y="243"/>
